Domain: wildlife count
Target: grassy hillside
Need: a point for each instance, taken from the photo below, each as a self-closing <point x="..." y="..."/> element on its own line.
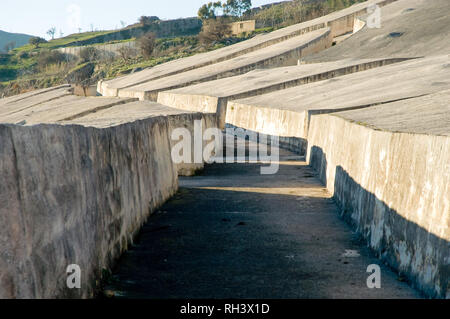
<point x="19" y="39"/>
<point x="29" y="68"/>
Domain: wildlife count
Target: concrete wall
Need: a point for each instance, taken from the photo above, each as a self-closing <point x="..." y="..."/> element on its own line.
<point x="162" y="29"/>
<point x="85" y="91"/>
<point x="191" y="102"/>
<point x="187" y="121"/>
<point x="289" y="126"/>
<point x="346" y="24"/>
<point x="76" y="195"/>
<point x="106" y="50"/>
<point x="395" y="189"/>
<point x="359" y="24"/>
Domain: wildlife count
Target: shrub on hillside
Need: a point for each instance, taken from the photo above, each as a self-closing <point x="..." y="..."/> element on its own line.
<point x="23" y="55"/>
<point x="145" y="21"/>
<point x="47" y="58"/>
<point x="146" y="44"/>
<point x="89" y="54"/>
<point x="81" y="74"/>
<point x="127" y="53"/>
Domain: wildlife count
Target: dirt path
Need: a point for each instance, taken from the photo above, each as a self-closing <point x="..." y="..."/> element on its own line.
<point x="233" y="233"/>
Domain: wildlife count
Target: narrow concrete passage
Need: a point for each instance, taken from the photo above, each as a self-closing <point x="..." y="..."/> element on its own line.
<point x="233" y="233"/>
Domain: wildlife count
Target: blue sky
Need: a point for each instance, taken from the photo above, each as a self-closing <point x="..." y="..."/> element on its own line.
<point x="36" y="17"/>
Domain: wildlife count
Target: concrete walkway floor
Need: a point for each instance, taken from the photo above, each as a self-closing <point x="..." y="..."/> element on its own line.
<point x="233" y="233"/>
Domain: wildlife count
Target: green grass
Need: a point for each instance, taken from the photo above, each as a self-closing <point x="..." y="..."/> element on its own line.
<point x="119" y="68"/>
<point x="19" y="69"/>
<point x="70" y="40"/>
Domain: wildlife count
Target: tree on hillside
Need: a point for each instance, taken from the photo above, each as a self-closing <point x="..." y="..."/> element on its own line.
<point x="51" y="32"/>
<point x="36" y="41"/>
<point x="209" y="10"/>
<point x="237" y="8"/>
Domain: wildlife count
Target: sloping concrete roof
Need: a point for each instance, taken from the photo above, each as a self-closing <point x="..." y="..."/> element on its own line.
<point x="261" y="79"/>
<point x="53" y="110"/>
<point x="227" y="53"/>
<point x="129" y="112"/>
<point x="24" y="101"/>
<point x="16" y="98"/>
<point x="409" y="28"/>
<point x="229" y="67"/>
<point x="61" y="107"/>
<point x="428" y="114"/>
<point x="398" y="81"/>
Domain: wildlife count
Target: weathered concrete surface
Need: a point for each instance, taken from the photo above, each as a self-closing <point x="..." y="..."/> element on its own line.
<point x="54" y="110"/>
<point x="283" y="54"/>
<point x="16" y="98"/>
<point x="341" y="22"/>
<point x="428" y="115"/>
<point x="121" y="114"/>
<point x="233" y="233"/>
<point x="286" y="113"/>
<point x="76" y="195"/>
<point x="409" y="28"/>
<point x="388" y="168"/>
<point x="213" y="96"/>
<point x="77" y="189"/>
<point x="59" y="106"/>
<point x="29" y="100"/>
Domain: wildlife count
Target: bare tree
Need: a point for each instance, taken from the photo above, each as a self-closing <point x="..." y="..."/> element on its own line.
<point x="126" y="53"/>
<point x="147" y="44"/>
<point x="51" y="32"/>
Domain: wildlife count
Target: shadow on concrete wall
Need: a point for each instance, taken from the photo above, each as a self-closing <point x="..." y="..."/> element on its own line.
<point x="416" y="254"/>
<point x="294" y="144"/>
